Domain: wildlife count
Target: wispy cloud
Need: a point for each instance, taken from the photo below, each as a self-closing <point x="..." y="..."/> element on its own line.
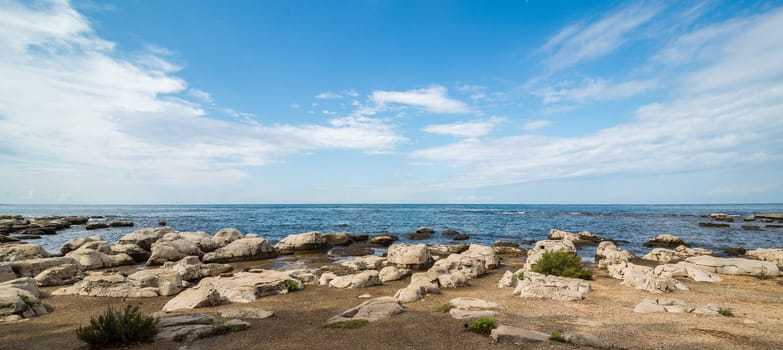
<point x="534" y="125"/>
<point x="593" y="89"/>
<point x="476" y="128"/>
<point x="705" y="126"/>
<point x="328" y="95"/>
<point x="582" y="42"/>
<point x="71" y="103"/>
<point x="433" y="99"/>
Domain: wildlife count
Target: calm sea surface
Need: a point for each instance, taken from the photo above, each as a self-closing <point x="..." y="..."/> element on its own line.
<point x="484" y="223"/>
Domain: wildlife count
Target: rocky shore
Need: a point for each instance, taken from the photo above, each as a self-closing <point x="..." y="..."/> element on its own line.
<point x="298" y="292"/>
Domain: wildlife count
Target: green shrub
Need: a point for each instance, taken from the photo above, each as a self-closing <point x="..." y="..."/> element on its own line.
<point x="116" y="327"/>
<point x="444" y="307"/>
<point x="521" y="275"/>
<point x="556" y="336"/>
<point x="483" y="325"/>
<point x="291" y="285"/>
<point x="725" y="312"/>
<point x="348" y="324"/>
<point x="562" y="264"/>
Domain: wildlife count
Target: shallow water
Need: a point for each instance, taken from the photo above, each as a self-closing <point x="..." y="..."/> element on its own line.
<point x="484" y="223"/>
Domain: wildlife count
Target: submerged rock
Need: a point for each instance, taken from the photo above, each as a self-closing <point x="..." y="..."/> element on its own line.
<point x="665" y="240"/>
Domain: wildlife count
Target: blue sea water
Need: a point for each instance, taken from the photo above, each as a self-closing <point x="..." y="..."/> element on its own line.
<point x="484" y="223"/>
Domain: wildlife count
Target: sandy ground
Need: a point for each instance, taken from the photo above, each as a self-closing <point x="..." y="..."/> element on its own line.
<point x="607" y="312"/>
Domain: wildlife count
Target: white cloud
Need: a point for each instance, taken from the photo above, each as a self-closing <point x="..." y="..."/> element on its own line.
<point x="432" y="99"/>
<point x="70" y="105"/>
<point x="477" y="128"/>
<point x="328" y="95"/>
<point x="594" y="89"/>
<point x="533" y="125"/>
<point x="580" y="42"/>
<point x="477" y="92"/>
<point x="201" y="95"/>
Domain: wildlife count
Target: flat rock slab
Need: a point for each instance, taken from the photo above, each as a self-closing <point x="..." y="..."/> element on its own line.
<point x="650" y="305"/>
<point x="586" y="340"/>
<point x="370" y="310"/>
<point x="735" y="266"/>
<point x="246" y="313"/>
<point x="513" y="335"/>
<point x="195" y="326"/>
<point x="536" y="285"/>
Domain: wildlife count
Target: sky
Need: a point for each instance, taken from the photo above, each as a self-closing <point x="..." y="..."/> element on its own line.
<point x="376" y="101"/>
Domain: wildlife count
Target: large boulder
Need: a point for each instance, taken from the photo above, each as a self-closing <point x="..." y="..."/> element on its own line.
<point x="308" y="241"/>
<point x="142" y="284"/>
<point x="455" y="270"/>
<point x="367" y="278"/>
<point x="536" y="285"/>
<point x="167" y="282"/>
<point x="665" y="240"/>
<point x="336" y="239"/>
<point x="667" y="256"/>
<point x="735" y="266"/>
<point x="253" y="248"/>
<point x="190" y="268"/>
<point x="245" y="287"/>
<point x="19" y="299"/>
<point x="580" y="239"/>
<point x="172" y="248"/>
<point x="60" y="275"/>
<point x="607" y="254"/>
<point x="201" y="239"/>
<point x="192" y="298"/>
<point x="95" y="255"/>
<point x="385" y="239"/>
<point x="645" y="278"/>
<point x="75" y="243"/>
<point x="545" y="246"/>
<point x="768" y="254"/>
<point x="145" y="237"/>
<point x="32" y="267"/>
<point x="21" y="251"/>
<point x="392" y="273"/>
<point x="370" y="310"/>
<point x="137" y="253"/>
<point x="225" y="236"/>
<point x="409" y="256"/>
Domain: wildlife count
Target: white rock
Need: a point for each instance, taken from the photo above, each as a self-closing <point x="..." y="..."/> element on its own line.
<point x="536" y="285"/>
<point x="392" y="273"/>
<point x="774" y="255"/>
<point x="196" y="297"/>
<point x="253" y="248"/>
<point x="511" y="335"/>
<point x="371" y="310"/>
<point x="60" y="275"/>
<point x="226" y="236"/>
<point x="308" y="241"/>
<point x="362" y="279"/>
<point x="735" y="266"/>
<point x="409" y="256"/>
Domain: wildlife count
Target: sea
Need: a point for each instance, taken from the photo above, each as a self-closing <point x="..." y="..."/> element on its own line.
<point x="484" y="223"/>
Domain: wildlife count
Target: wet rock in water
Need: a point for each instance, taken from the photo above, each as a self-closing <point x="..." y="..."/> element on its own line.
<point x="581" y="239"/>
<point x="774" y="255"/>
<point x="27" y="237"/>
<point x="190" y="327"/>
<point x="773" y="226"/>
<point x="512" y="335"/>
<point x="425" y="230"/>
<point x="225" y="236"/>
<point x="355" y="249"/>
<point x="735" y="251"/>
<point x="536" y="285"/>
<point x="337" y="239"/>
<point x="770" y="216"/>
<point x="460" y="237"/>
<point x="713" y="224"/>
<point x="384" y="240"/>
<point x="161" y="223"/>
<point x="418" y="236"/>
<point x="449" y="233"/>
<point x="360" y="237"/>
<point x="302" y="242"/>
<point x="76" y="220"/>
<point x="750" y="227"/>
<point x="454" y="248"/>
<point x="364" y="279"/>
<point x="96" y="226"/>
<point x="370" y="310"/>
<point x="665" y="240"/>
<point x="122" y="223"/>
<point x="722" y="217"/>
<point x="9" y="239"/>
<point x="749" y="218"/>
<point x="21" y="251"/>
<point x="252" y="248"/>
<point x="410" y="256"/>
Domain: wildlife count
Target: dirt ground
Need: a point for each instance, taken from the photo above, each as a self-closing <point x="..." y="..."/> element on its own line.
<point x="607" y="312"/>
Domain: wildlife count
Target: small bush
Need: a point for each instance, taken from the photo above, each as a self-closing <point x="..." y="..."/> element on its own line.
<point x="562" y="264"/>
<point x="521" y="275"/>
<point x="725" y="312"/>
<point x="556" y="336"/>
<point x="444" y="307"/>
<point x="116" y="327"/>
<point x="483" y="325"/>
<point x="348" y="324"/>
<point x="291" y="285"/>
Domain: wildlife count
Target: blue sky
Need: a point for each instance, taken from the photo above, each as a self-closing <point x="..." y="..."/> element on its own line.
<point x="391" y="102"/>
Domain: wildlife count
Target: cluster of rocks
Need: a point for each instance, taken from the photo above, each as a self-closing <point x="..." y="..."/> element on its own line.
<point x="192" y="326"/>
<point x="20" y="299"/>
<point x="425" y="233"/>
<point x="34" y="227"/>
<point x="724" y="220"/>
